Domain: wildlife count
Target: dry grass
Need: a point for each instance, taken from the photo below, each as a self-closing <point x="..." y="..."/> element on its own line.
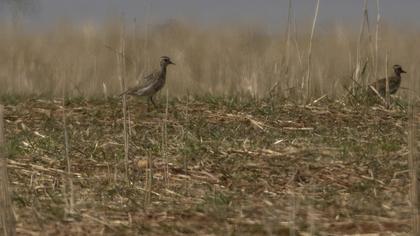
<point x="244" y="159"/>
<point x="235" y="166"/>
<point x="245" y="60"/>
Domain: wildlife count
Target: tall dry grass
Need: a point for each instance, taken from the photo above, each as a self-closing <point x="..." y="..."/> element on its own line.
<point x="215" y="60"/>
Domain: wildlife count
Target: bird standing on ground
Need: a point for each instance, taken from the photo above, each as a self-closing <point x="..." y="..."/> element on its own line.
<point x="151" y="83"/>
<point x="394" y="82"/>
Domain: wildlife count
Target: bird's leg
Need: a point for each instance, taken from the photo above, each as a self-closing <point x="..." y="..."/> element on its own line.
<point x="148" y="104"/>
<point x="153" y="102"/>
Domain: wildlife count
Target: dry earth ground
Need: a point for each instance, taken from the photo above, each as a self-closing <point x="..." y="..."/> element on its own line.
<point x="234" y="167"/>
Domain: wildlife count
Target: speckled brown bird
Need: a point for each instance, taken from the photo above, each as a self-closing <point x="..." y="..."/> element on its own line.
<point x="394" y="82"/>
<point x="151" y="83"/>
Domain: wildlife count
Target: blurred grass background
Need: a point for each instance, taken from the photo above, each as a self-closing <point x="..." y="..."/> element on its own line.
<point x="221" y="61"/>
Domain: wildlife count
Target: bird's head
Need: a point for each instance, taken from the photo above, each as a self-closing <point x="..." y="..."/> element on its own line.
<point x="398" y="69"/>
<point x="164" y="61"/>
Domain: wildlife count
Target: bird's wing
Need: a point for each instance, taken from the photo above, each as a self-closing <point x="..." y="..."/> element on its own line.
<point x="393" y="82"/>
<point x="152" y="76"/>
<point x="394" y="85"/>
<point x="145" y="83"/>
<point x="378" y="85"/>
<point x="382" y="83"/>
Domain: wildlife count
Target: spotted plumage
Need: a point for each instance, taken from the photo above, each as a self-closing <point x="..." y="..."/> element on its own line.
<point x="394" y="82"/>
<point x="152" y="83"/>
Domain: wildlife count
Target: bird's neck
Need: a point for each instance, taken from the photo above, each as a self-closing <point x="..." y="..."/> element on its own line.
<point x="397" y="74"/>
<point x="163" y="69"/>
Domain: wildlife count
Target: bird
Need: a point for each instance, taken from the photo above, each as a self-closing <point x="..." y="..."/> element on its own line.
<point x="152" y="83"/>
<point x="394" y="82"/>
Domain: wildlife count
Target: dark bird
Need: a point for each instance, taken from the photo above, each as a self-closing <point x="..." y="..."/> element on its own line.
<point x="152" y="83"/>
<point x="394" y="82"/>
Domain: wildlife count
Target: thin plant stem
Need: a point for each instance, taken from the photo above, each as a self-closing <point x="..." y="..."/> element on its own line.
<point x="148" y="180"/>
<point x="366" y="19"/>
<point x="165" y="141"/>
<point x="69" y="192"/>
<point x="357" y="73"/>
<point x="288" y="33"/>
<point x="7" y="218"/>
<point x="387" y="95"/>
<point x="308" y="73"/>
<point x="295" y="39"/>
<point x="378" y="20"/>
<point x="121" y="69"/>
<point x="413" y="163"/>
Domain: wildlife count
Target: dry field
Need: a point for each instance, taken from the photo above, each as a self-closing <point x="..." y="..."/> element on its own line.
<point x="219" y="166"/>
<point x="238" y="148"/>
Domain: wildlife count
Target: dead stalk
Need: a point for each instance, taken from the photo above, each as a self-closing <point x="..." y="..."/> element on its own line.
<point x="148" y="172"/>
<point x="369" y="35"/>
<point x="69" y="179"/>
<point x="7" y="218"/>
<point x="287" y="45"/>
<point x="377" y="94"/>
<point x="295" y="39"/>
<point x="357" y="73"/>
<point x="69" y="191"/>
<point x="292" y="216"/>
<point x="121" y="69"/>
<point x="311" y="210"/>
<point x="289" y="26"/>
<point x="135" y="48"/>
<point x="148" y="180"/>
<point x="105" y="90"/>
<point x="287" y="54"/>
<point x="387" y="96"/>
<point x="185" y="157"/>
<point x="183" y="133"/>
<point x="146" y="36"/>
<point x="165" y="142"/>
<point x="413" y="165"/>
<point x="308" y="74"/>
<point x="378" y="20"/>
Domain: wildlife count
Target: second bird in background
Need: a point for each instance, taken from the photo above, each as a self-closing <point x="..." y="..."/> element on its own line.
<point x="394" y="83"/>
<point x="152" y="83"/>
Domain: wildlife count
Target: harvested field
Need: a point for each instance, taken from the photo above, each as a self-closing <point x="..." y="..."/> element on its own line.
<point x="210" y="166"/>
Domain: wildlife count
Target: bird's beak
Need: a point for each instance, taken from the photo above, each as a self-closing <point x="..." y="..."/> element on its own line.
<point x="172" y="63"/>
<point x="403" y="71"/>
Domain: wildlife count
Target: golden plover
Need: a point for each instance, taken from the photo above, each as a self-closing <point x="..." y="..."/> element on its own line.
<point x="151" y="83"/>
<point x="394" y="82"/>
